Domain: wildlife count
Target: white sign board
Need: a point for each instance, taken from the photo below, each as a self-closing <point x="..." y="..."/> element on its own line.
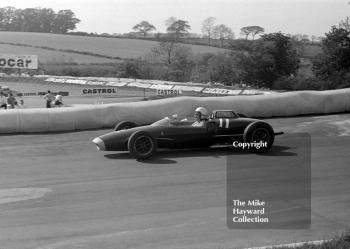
<point x="188" y="88"/>
<point x="99" y="91"/>
<point x="168" y="92"/>
<point x="19" y="61"/>
<point x="160" y="86"/>
<point x="116" y="83"/>
<point x="140" y="85"/>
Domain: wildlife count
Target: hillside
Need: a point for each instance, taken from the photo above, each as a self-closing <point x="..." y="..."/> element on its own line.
<point x="52" y="57"/>
<point x="104" y="56"/>
<point x="45" y="45"/>
<point x="58" y="48"/>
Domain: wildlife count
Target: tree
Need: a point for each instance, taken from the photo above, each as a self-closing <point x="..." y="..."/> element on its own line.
<point x="336" y="50"/>
<point x="284" y="54"/>
<point x="256" y="65"/>
<point x="246" y="32"/>
<point x="222" y="68"/>
<point x="345" y="24"/>
<point x="252" y="30"/>
<point x="37" y="20"/>
<point x="64" y="21"/>
<point x="183" y="64"/>
<point x="178" y="29"/>
<point x="175" y="60"/>
<point x="31" y="20"/>
<point x="144" y="27"/>
<point x="333" y="66"/>
<point x="208" y="27"/>
<point x="135" y="68"/>
<point x="164" y="52"/>
<point x="7" y="17"/>
<point x="46" y="20"/>
<point x="170" y="21"/>
<point x="264" y="61"/>
<point x="257" y="30"/>
<point x="17" y="23"/>
<point x="222" y="32"/>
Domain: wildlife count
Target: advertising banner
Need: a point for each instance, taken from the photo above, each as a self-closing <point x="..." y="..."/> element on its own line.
<point x="19" y="61"/>
<point x="188" y="88"/>
<point x="168" y="92"/>
<point x="160" y="86"/>
<point x="99" y="91"/>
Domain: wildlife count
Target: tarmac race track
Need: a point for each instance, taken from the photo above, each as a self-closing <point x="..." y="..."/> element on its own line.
<point x="58" y="192"/>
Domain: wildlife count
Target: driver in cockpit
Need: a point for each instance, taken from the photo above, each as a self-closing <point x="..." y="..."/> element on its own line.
<point x="201" y="115"/>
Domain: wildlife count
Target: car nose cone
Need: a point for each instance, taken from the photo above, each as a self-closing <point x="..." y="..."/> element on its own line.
<point x="99" y="143"/>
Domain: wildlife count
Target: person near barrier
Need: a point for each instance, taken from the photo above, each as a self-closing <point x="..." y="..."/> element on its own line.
<point x="49" y="98"/>
<point x="3" y="101"/>
<point x="11" y="101"/>
<point x="58" y="100"/>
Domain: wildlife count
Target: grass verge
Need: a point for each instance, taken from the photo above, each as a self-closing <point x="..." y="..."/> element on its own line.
<point x="338" y="242"/>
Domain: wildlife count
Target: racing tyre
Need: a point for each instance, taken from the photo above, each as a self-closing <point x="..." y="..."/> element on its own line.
<point x="142" y="145"/>
<point x="259" y="132"/>
<point x="124" y="125"/>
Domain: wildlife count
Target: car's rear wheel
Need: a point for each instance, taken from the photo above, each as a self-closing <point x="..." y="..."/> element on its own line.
<point x="261" y="134"/>
<point x="123" y="125"/>
<point x="142" y="145"/>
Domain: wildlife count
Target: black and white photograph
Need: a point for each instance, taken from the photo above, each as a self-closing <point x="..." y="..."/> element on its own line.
<point x="175" y="124"/>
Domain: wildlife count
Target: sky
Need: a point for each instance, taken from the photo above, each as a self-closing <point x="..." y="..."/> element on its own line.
<point x="312" y="17"/>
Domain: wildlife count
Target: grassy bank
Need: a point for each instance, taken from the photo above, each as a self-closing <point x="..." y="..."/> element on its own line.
<point x="338" y="242"/>
<point x="100" y="46"/>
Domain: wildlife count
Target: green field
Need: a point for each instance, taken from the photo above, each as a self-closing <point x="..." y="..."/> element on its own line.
<point x="52" y="57"/>
<point x="104" y="46"/>
<point x="114" y="47"/>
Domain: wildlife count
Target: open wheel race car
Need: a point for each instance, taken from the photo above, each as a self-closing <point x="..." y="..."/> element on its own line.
<point x="223" y="127"/>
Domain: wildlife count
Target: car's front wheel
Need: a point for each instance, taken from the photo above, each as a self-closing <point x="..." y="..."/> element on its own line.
<point x="260" y="135"/>
<point x="142" y="145"/>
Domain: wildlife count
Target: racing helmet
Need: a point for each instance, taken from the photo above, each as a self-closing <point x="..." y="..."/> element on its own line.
<point x="202" y="111"/>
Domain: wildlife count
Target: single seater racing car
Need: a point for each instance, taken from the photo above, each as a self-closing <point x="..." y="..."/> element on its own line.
<point x="222" y="127"/>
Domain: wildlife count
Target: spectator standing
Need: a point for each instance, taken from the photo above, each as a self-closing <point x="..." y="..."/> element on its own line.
<point x="11" y="101"/>
<point x="3" y="101"/>
<point x="49" y="98"/>
<point x="21" y="101"/>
